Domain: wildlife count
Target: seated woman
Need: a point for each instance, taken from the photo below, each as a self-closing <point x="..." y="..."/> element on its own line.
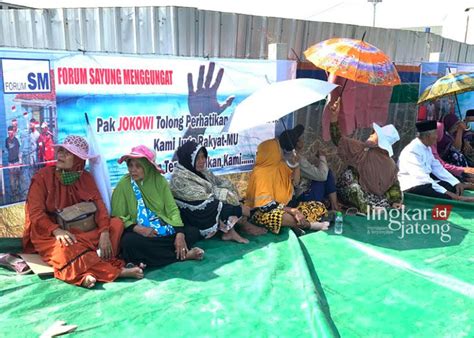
<point x="154" y="232"/>
<point x="270" y="190"/>
<point x="207" y="202"/>
<point x="73" y="253"/>
<point x="317" y="182"/>
<point x="451" y="145"/>
<point x="465" y="174"/>
<point x="371" y="176"/>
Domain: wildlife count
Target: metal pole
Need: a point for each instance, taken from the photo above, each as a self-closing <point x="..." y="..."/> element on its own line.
<point x="467" y="23"/>
<point x="467" y="27"/>
<point x="375" y="6"/>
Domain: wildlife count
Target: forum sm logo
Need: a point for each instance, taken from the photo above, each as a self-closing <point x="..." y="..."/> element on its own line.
<point x="412" y="221"/>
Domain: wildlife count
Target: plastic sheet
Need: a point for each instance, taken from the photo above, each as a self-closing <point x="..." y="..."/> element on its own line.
<point x="261" y="289"/>
<point x="367" y="282"/>
<point x="378" y="284"/>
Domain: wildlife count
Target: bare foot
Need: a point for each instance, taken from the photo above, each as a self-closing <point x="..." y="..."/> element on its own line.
<point x="135" y="272"/>
<point x="232" y="235"/>
<point x="89" y="282"/>
<point x="319" y="225"/>
<point x="252" y="229"/>
<point x="195" y="254"/>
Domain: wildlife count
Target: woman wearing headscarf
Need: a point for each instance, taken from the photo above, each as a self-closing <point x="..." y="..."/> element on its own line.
<point x="207" y="202"/>
<point x="317" y="182"/>
<point x="451" y="145"/>
<point x="154" y="232"/>
<point x="73" y="251"/>
<point x="270" y="191"/>
<point x="458" y="171"/>
<point x="371" y="176"/>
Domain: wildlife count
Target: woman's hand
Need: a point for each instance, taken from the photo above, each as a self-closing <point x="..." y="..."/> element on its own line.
<point x="64" y="237"/>
<point x="461" y="126"/>
<point x="246" y="210"/>
<point x="145" y="231"/>
<point x="105" y="246"/>
<point x="180" y="246"/>
<point x="299" y="217"/>
<point x="469" y="170"/>
<point x="334" y="109"/>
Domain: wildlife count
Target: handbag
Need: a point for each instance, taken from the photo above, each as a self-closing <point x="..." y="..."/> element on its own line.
<point x="80" y="216"/>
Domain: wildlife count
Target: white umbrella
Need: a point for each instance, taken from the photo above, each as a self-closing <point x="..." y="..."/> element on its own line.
<point x="275" y="101"/>
<point x="98" y="167"/>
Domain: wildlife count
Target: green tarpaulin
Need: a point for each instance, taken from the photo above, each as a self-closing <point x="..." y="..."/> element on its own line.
<point x="378" y="284"/>
<point x="260" y="289"/>
<point x="367" y="282"/>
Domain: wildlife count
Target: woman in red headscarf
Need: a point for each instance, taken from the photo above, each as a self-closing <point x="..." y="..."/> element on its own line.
<point x="73" y="253"/>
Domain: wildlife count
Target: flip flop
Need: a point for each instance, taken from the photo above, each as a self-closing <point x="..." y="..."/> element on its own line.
<point x="15" y="263"/>
<point x="131" y="265"/>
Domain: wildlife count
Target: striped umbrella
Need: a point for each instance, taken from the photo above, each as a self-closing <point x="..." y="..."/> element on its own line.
<point x="355" y="60"/>
<point x="451" y="84"/>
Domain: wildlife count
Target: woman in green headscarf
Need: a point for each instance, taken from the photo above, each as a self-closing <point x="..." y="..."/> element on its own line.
<point x="154" y="232"/>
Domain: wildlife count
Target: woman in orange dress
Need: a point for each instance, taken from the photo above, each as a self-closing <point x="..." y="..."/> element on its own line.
<point x="270" y="190"/>
<point x="73" y="253"/>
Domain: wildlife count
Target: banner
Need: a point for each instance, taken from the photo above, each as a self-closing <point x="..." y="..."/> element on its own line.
<point x="160" y="102"/>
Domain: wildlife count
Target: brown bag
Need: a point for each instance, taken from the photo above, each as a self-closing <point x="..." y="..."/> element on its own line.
<point x="79" y="216"/>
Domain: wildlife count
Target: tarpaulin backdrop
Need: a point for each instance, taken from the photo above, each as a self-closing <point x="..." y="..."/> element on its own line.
<point x="432" y="71"/>
<point x="157" y="101"/>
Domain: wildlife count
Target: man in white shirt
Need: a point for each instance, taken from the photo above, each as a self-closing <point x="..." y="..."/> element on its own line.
<point x="420" y="173"/>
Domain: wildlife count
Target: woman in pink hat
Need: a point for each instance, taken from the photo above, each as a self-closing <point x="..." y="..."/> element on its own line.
<point x="72" y="250"/>
<point x="154" y="232"/>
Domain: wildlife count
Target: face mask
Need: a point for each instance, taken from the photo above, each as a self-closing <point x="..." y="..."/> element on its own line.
<point x="69" y="177"/>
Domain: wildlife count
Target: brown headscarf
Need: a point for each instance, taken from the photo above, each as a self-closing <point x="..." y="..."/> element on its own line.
<point x="377" y="170"/>
<point x="47" y="195"/>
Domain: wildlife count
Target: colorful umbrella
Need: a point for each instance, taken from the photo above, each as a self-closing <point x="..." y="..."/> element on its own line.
<point x="355" y="60"/>
<point x="451" y="84"/>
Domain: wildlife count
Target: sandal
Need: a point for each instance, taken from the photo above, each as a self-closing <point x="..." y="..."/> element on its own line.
<point x="131" y="265"/>
<point x="15" y="263"/>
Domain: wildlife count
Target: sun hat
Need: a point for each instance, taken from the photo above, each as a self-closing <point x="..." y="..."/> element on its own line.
<point x="142" y="151"/>
<point x="76" y="145"/>
<point x="387" y="136"/>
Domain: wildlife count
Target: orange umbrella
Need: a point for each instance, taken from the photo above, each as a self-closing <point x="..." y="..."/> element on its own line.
<point x="355" y="60"/>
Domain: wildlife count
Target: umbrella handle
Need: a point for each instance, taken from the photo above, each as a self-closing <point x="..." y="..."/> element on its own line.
<point x="343" y="87"/>
<point x="457" y="104"/>
<point x="291" y="143"/>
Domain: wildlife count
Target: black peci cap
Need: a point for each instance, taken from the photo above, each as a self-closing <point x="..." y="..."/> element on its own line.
<point x="425" y="126"/>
